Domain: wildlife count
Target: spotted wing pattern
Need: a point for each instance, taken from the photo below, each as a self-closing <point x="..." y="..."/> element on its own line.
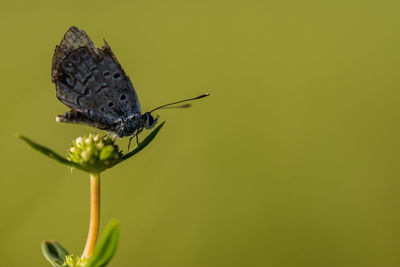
<point x="91" y="82"/>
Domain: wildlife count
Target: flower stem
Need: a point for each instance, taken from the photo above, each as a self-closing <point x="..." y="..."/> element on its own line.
<point x="94" y="214"/>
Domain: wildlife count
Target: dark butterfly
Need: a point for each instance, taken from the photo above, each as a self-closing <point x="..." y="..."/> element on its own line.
<point x="91" y="82"/>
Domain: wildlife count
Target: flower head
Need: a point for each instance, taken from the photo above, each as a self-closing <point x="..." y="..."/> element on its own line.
<point x="94" y="152"/>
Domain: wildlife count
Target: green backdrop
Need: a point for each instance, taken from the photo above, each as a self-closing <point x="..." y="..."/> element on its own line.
<point x="292" y="161"/>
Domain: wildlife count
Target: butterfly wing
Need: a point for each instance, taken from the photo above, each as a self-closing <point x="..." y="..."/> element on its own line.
<point x="91" y="81"/>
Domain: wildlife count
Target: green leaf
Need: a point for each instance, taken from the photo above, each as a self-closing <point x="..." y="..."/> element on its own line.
<point x="54" y="253"/>
<point x="48" y="152"/>
<point x="107" y="246"/>
<point x="143" y="144"/>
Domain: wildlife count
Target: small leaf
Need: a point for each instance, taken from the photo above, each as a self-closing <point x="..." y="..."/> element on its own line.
<point x="54" y="253"/>
<point x="48" y="152"/>
<point x="143" y="144"/>
<point x="106" y="247"/>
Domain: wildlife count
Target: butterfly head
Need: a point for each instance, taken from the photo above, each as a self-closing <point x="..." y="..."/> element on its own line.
<point x="149" y="121"/>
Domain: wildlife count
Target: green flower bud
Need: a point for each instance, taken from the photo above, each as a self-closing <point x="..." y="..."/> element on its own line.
<point x="94" y="152"/>
<point x="74" y="261"/>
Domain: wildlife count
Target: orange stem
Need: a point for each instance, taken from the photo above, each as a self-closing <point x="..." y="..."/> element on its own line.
<point x="94" y="215"/>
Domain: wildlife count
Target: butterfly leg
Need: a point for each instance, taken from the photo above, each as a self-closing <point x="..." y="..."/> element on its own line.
<point x="130" y="139"/>
<point x="136" y="134"/>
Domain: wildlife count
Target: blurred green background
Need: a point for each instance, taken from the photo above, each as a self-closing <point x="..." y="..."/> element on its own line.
<point x="292" y="161"/>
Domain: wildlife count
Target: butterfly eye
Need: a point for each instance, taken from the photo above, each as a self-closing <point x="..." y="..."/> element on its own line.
<point x="117" y="75"/>
<point x="151" y="120"/>
<point x="122" y="97"/>
<point x="110" y="104"/>
<point x="102" y="109"/>
<point x="106" y="74"/>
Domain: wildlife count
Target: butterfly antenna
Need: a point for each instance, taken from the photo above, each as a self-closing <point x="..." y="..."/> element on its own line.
<point x="183" y="106"/>
<point x="188" y="105"/>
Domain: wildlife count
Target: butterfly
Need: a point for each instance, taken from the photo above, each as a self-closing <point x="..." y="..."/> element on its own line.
<point x="92" y="83"/>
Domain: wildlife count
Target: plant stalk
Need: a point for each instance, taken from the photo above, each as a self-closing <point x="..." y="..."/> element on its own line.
<point x="94" y="215"/>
